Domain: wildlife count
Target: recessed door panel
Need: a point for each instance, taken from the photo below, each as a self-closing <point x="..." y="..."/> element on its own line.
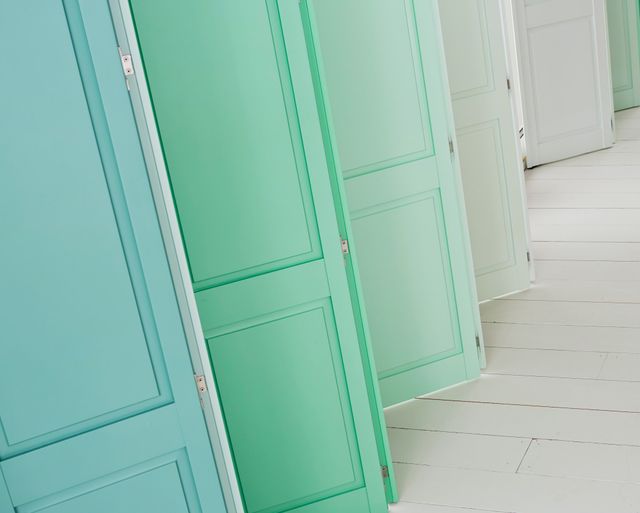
<point x="408" y="238"/>
<point x="488" y="147"/>
<point x="623" y="17"/>
<point x="379" y="109"/>
<point x="480" y="150"/>
<point x="469" y="61"/>
<point x="565" y="75"/>
<point x="282" y="372"/>
<point x="78" y="318"/>
<point x="412" y="301"/>
<point x="98" y="406"/>
<point x="247" y="171"/>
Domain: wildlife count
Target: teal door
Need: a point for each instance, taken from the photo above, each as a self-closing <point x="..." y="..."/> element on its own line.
<point x="623" y="18"/>
<point x="388" y="125"/>
<point x="235" y="108"/>
<point x="98" y="405"/>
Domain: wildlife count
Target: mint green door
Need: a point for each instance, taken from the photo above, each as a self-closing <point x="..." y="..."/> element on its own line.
<point x="98" y="405"/>
<point x="623" y="18"/>
<point x="235" y="107"/>
<point x="381" y="83"/>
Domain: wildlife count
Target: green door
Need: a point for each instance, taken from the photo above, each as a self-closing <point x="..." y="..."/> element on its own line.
<point x="235" y="107"/>
<point x="381" y="85"/>
<point x="99" y="411"/>
<point x="386" y="134"/>
<point x="623" y="18"/>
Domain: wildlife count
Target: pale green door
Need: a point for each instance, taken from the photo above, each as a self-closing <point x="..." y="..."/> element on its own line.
<point x="490" y="161"/>
<point x="381" y="85"/>
<point x="623" y="18"/>
<point x="235" y="107"/>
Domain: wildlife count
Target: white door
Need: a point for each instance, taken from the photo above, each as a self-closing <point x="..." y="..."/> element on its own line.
<point x="565" y="74"/>
<point x="487" y="137"/>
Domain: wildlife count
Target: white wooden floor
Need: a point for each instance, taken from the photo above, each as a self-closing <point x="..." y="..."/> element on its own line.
<point x="553" y="426"/>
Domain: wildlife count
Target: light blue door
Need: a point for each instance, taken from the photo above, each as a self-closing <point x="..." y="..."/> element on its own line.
<point x="99" y="411"/>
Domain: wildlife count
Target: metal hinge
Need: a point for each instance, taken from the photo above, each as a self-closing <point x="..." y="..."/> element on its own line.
<point x="525" y="162"/>
<point x="344" y="245"/>
<point x="201" y="383"/>
<point x="529" y="256"/>
<point x="478" y="342"/>
<point x="508" y="84"/>
<point x="451" y="147"/>
<point x="384" y="470"/>
<point x="127" y="63"/>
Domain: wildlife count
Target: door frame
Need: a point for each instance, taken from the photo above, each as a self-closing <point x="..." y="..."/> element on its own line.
<point x="161" y="191"/>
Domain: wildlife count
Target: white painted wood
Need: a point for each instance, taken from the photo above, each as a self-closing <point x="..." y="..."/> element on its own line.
<point x="585" y="216"/>
<point x="583" y="185"/>
<point x="601" y="158"/>
<point x="588" y="251"/>
<point x="544" y="362"/>
<point x="563" y="313"/>
<point x="578" y="233"/>
<point x="488" y="147"/>
<point x="408" y="507"/>
<point x="587" y="199"/>
<point x="586" y="394"/>
<point x="621" y="367"/>
<point x="590" y="291"/>
<point x="628" y="134"/>
<point x="566" y="85"/>
<point x="459" y="450"/>
<point x="603" y="462"/>
<point x="519" y="421"/>
<point x="568" y="338"/>
<point x="599" y="172"/>
<point x="515" y="492"/>
<point x="586" y="271"/>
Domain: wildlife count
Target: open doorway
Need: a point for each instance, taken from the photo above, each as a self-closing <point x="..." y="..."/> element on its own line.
<point x="552" y="424"/>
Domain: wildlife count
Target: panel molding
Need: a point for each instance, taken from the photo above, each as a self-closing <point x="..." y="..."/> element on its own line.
<point x="126" y="231"/>
<point x="323" y="307"/>
<point x="489" y="83"/>
<point x="494" y="126"/>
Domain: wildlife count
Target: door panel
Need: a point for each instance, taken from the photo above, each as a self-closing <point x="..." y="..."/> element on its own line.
<point x="240" y="131"/>
<point x="385" y="83"/>
<point x="488" y="145"/>
<point x="126" y="375"/>
<point x="623" y="17"/>
<point x="98" y="404"/>
<point x="565" y="76"/>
